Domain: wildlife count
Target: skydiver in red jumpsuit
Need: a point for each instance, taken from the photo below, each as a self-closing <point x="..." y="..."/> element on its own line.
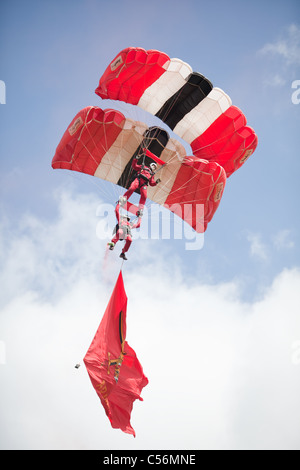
<point x="123" y="232"/>
<point x="145" y="177"/>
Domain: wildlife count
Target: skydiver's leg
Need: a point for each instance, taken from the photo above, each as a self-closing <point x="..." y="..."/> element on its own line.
<point x="112" y="243"/>
<point x="118" y="236"/>
<point x="126" y="247"/>
<point x="115" y="239"/>
<point x="134" y="185"/>
<point x="127" y="244"/>
<point x="143" y="190"/>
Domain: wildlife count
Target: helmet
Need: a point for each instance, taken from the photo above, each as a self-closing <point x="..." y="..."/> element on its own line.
<point x="153" y="166"/>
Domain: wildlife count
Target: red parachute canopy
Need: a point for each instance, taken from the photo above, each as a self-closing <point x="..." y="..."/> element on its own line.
<point x="185" y="100"/>
<point x="103" y="143"/>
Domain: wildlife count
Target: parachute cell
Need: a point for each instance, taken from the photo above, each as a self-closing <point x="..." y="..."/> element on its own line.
<point x="227" y="140"/>
<point x="131" y="72"/>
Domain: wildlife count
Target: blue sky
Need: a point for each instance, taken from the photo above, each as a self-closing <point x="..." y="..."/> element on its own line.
<point x="239" y="292"/>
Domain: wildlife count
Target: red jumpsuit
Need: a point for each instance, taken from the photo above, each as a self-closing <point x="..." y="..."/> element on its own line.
<point x="124" y="230"/>
<point x="145" y="176"/>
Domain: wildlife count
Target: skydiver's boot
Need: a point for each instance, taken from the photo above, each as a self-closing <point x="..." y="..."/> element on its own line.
<point x="111" y="245"/>
<point x="122" y="255"/>
<point x="140" y="213"/>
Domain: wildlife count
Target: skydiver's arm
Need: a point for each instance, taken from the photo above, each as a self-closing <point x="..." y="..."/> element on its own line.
<point x="137" y="224"/>
<point x="136" y="166"/>
<point x="117" y="211"/>
<point x="152" y="181"/>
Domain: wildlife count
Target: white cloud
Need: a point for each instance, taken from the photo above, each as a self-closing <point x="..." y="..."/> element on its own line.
<point x="287" y="48"/>
<point x="262" y="250"/>
<point x="258" y="249"/>
<point x="282" y="240"/>
<point x="281" y="58"/>
<point x="275" y="81"/>
<point x="37" y="253"/>
<point x="221" y="372"/>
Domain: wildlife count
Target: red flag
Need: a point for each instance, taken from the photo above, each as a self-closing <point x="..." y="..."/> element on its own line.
<point x="154" y="157"/>
<point x="112" y="365"/>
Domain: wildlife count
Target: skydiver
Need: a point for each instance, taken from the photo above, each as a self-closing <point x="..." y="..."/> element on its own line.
<point x="145" y="177"/>
<point x="122" y="231"/>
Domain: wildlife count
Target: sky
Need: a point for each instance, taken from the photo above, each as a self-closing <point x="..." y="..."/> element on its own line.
<point x="217" y="328"/>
